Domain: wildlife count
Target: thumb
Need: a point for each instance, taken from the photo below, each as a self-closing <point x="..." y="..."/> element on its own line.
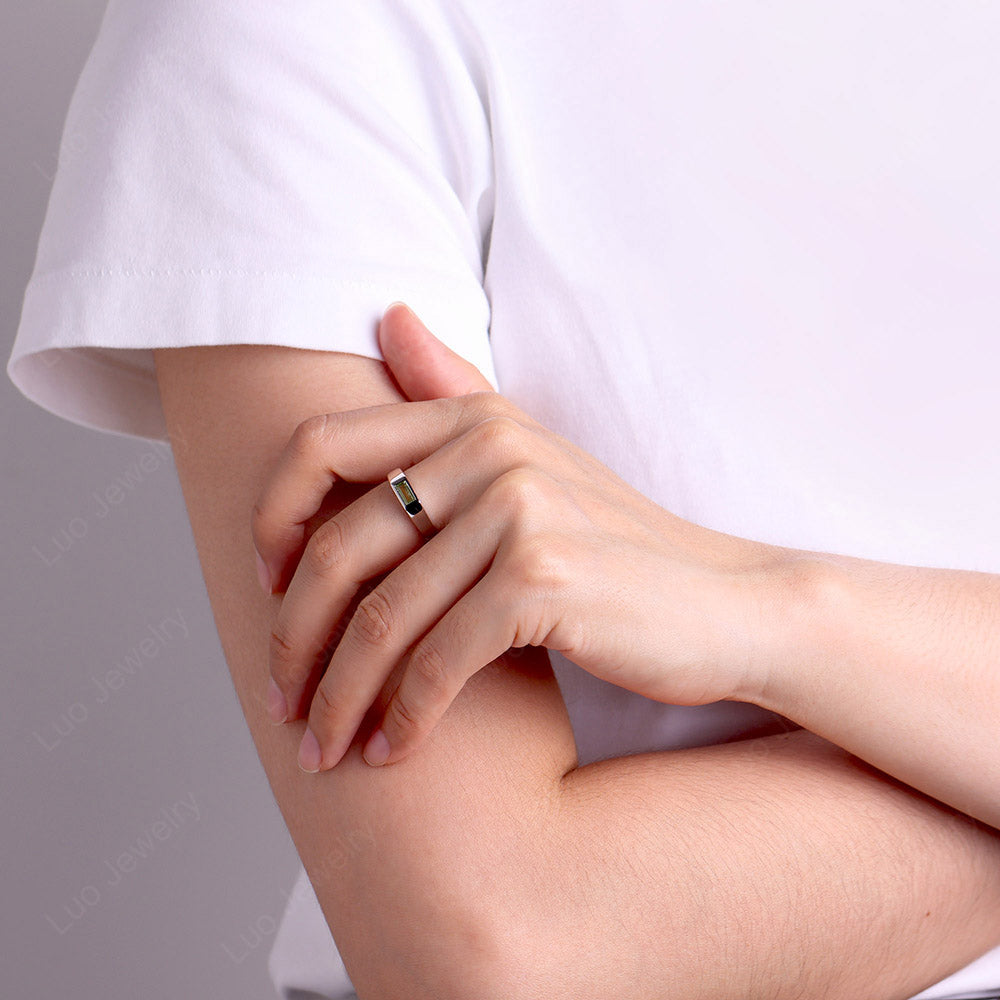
<point x="423" y="367"/>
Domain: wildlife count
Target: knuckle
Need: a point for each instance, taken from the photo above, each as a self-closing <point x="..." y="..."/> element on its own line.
<point x="429" y="667"/>
<point x="503" y="407"/>
<point x="372" y="624"/>
<point x="485" y="405"/>
<point x="285" y="667"/>
<point x="520" y="492"/>
<point x="311" y="434"/>
<point x="404" y="717"/>
<point x="499" y="434"/>
<point x="542" y="565"/>
<point x="323" y="707"/>
<point x="326" y="549"/>
<point x="488" y="403"/>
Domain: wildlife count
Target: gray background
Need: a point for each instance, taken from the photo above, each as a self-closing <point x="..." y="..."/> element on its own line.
<point x="84" y="779"/>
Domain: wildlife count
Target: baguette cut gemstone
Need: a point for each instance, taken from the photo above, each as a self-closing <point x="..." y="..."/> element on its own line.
<point x="405" y="492"/>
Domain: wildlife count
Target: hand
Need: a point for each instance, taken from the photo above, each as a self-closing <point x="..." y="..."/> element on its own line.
<point x="538" y="544"/>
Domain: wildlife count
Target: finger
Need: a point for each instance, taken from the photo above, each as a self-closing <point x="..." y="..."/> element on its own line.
<point x="312" y="614"/>
<point x="361" y="446"/>
<point x="366" y="539"/>
<point x="477" y="630"/>
<point x="424" y="367"/>
<point x="404" y="606"/>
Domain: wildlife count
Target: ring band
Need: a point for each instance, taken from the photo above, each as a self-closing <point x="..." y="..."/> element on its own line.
<point x="407" y="498"/>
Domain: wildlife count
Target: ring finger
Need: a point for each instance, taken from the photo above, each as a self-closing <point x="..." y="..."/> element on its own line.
<point x="390" y="619"/>
<point x="363" y="540"/>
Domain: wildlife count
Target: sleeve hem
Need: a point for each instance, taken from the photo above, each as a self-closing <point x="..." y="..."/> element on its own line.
<point x="83" y="351"/>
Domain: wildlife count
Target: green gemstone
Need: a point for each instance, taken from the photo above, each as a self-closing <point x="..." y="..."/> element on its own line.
<point x="408" y="495"/>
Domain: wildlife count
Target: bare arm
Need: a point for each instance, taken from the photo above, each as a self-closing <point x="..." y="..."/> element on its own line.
<point x="901" y="665"/>
<point x="489" y="865"/>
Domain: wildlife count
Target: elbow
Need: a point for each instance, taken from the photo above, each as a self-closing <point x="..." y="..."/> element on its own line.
<point x="444" y="950"/>
<point x="503" y="955"/>
<point x="481" y="968"/>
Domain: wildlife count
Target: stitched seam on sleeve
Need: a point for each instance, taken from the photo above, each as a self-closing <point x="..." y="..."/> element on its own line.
<point x="212" y="272"/>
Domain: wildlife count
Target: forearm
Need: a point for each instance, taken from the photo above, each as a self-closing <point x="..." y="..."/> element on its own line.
<point x="476" y="861"/>
<point x="397" y="856"/>
<point x="901" y="666"/>
<point x="770" y="868"/>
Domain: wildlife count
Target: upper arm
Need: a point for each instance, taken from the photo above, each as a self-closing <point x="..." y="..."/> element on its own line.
<point x="471" y="868"/>
<point x="429" y="836"/>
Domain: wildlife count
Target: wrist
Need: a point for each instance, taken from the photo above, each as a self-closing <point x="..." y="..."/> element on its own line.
<point x="802" y="617"/>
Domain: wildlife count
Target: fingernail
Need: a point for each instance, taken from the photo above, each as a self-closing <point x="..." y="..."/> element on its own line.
<point x="397" y="303"/>
<point x="277" y="707"/>
<point x="377" y="749"/>
<point x="310" y="755"/>
<point x="264" y="575"/>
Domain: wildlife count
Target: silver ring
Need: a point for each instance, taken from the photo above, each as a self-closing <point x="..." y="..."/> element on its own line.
<point x="407" y="498"/>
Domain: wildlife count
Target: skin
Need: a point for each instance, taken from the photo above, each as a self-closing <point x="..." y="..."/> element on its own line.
<point x="541" y="544"/>
<point x="490" y="864"/>
<point x="547" y="530"/>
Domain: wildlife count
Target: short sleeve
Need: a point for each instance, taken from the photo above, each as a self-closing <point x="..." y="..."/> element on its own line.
<point x="262" y="172"/>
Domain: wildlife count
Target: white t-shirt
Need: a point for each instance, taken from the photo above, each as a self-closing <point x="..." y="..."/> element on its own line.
<point x="745" y="254"/>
